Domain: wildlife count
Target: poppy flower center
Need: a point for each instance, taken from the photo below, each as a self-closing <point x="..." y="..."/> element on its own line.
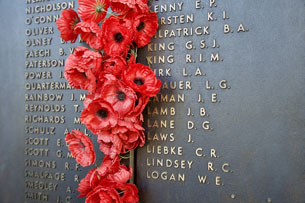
<point x="118" y="37"/>
<point x="121" y="96"/>
<point x="84" y="75"/>
<point x="75" y="21"/>
<point x="141" y="26"/>
<point x="99" y="8"/>
<point x="102" y="113"/>
<point x="138" y="81"/>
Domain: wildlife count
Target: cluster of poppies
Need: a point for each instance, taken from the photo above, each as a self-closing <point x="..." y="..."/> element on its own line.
<point x="118" y="89"/>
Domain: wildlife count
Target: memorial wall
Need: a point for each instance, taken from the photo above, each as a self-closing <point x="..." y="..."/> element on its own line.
<point x="227" y="126"/>
<point x="52" y="108"/>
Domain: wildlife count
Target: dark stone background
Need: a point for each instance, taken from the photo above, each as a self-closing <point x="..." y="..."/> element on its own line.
<point x="259" y="126"/>
<point x="12" y="100"/>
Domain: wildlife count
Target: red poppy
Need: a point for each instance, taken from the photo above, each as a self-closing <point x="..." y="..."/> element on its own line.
<point x="142" y="79"/>
<point x="132" y="60"/>
<point x="90" y="32"/>
<point x="91" y="59"/>
<point x="116" y="37"/>
<point x="145" y="27"/>
<point x="111" y="174"/>
<point x="141" y="5"/>
<point x="79" y="71"/>
<point x="123" y="6"/>
<point x="93" y="10"/>
<point x="89" y="99"/>
<point x="140" y="104"/>
<point x="107" y="192"/>
<point x="66" y="24"/>
<point x="121" y="97"/>
<point x="112" y="170"/>
<point x="108" y="166"/>
<point x="81" y="147"/>
<point x="104" y="193"/>
<point x="130" y="194"/>
<point x="91" y="181"/>
<point x="124" y="136"/>
<point x="133" y="139"/>
<point x="110" y="144"/>
<point x="114" y="65"/>
<point x="130" y="133"/>
<point x="133" y="118"/>
<point x="98" y="115"/>
<point x="84" y="186"/>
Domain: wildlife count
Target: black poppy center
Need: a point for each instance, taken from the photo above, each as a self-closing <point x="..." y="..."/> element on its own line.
<point x="138" y="81"/>
<point x="84" y="75"/>
<point x="141" y="26"/>
<point x="121" y="96"/>
<point x="102" y="113"/>
<point x="118" y="37"/>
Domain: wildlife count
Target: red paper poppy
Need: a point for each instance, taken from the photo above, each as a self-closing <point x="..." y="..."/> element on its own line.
<point x="114" y="65"/>
<point x="79" y="72"/>
<point x="107" y="192"/>
<point x="110" y="174"/>
<point x="93" y="10"/>
<point x="98" y="115"/>
<point x="141" y="6"/>
<point x="112" y="170"/>
<point x="91" y="59"/>
<point x="124" y="136"/>
<point x="145" y="27"/>
<point x="142" y="79"/>
<point x="121" y="97"/>
<point x="91" y="181"/>
<point x="84" y="186"/>
<point x="66" y="24"/>
<point x="132" y="60"/>
<point x="140" y="104"/>
<point x="104" y="193"/>
<point x="90" y="32"/>
<point x="81" y="147"/>
<point x="132" y="139"/>
<point x="130" y="194"/>
<point x="110" y="144"/>
<point x="108" y="166"/>
<point x="130" y="133"/>
<point x="89" y="99"/>
<point x="116" y="37"/>
<point x="123" y="6"/>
